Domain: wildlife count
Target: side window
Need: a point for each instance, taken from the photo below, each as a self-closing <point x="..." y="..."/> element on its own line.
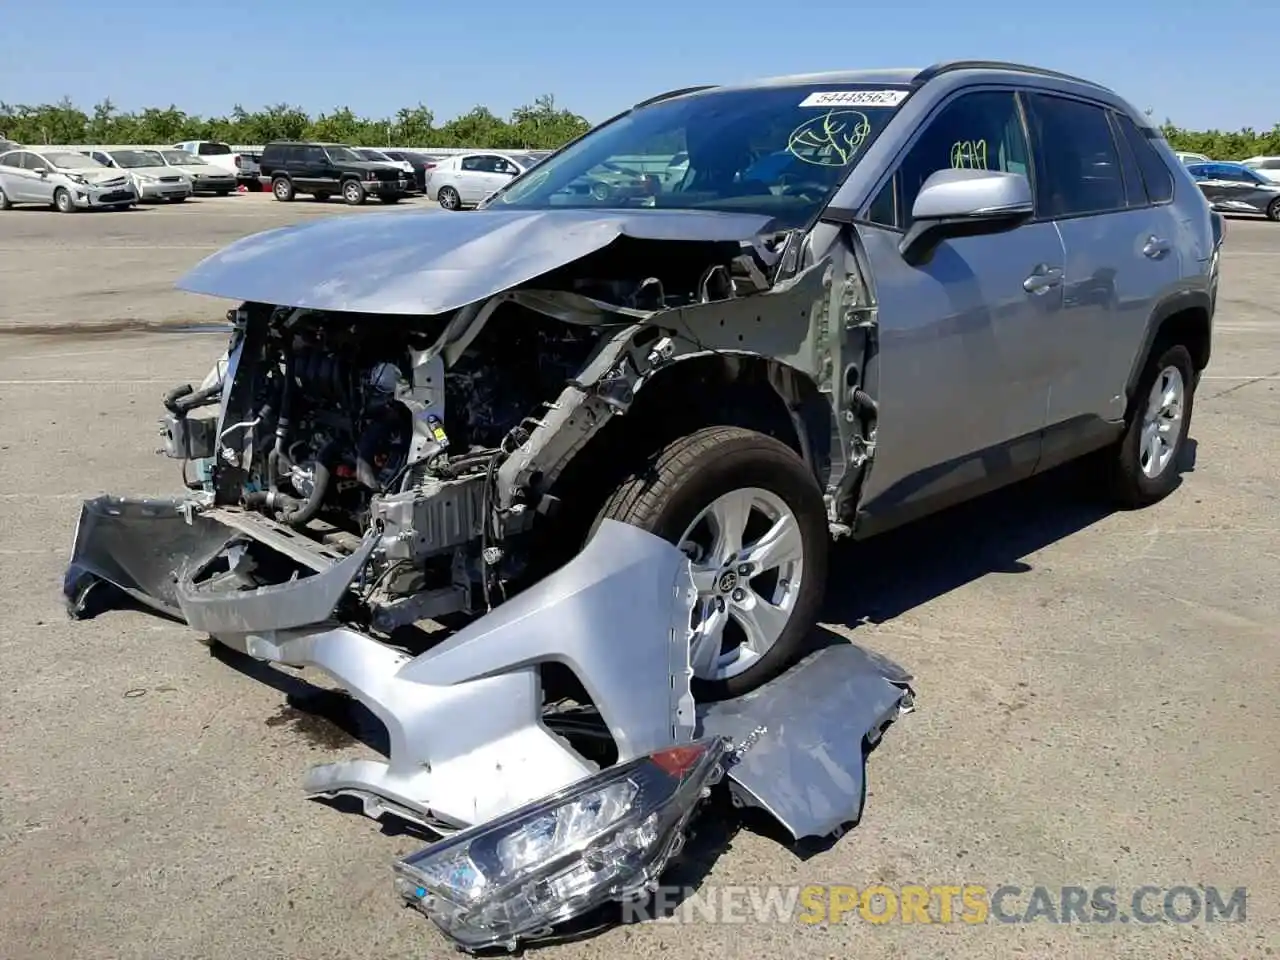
<point x="976" y="131"/>
<point x="1155" y="173"/>
<point x="1135" y="192"/>
<point x="473" y="163"/>
<point x="12" y="160"/>
<point x="31" y="161"/>
<point x="1080" y="167"/>
<point x="311" y="154"/>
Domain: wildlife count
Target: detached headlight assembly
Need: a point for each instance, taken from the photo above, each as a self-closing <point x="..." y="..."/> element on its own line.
<point x="605" y="838"/>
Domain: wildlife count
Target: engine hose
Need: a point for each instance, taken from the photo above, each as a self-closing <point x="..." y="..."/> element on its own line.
<point x="297" y="517"/>
<point x="282" y="423"/>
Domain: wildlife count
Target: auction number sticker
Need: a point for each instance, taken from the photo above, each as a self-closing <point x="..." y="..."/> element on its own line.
<point x="855" y="98"/>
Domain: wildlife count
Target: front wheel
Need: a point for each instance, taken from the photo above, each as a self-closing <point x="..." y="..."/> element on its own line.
<point x="62" y="200"/>
<point x="353" y="193"/>
<point x="750" y="516"/>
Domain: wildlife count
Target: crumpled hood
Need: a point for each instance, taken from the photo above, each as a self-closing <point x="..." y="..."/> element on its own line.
<point x="431" y="262"/>
<point x="95" y="174"/>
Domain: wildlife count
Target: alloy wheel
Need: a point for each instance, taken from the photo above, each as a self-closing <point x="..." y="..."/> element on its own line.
<point x="747" y="554"/>
<point x="1162" y="422"/>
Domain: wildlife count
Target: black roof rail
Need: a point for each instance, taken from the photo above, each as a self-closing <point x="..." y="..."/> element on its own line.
<point x="675" y="93"/>
<point x="950" y="66"/>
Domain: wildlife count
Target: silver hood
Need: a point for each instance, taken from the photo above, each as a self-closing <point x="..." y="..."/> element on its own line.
<point x="429" y="262"/>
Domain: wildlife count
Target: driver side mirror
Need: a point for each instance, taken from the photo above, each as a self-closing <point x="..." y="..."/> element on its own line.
<point x="42" y="171"/>
<point x="965" y="203"/>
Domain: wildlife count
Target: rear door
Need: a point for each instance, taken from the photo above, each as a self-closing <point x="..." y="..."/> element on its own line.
<point x="12" y="179"/>
<point x="1110" y="194"/>
<point x="472" y="177"/>
<point x="37" y="186"/>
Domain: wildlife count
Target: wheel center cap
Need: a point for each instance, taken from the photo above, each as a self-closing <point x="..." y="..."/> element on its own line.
<point x="727" y="582"/>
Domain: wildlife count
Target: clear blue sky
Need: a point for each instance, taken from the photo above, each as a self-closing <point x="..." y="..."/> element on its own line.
<point x="597" y="57"/>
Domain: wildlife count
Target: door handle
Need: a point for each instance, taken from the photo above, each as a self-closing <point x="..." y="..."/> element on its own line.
<point x="1155" y="247"/>
<point x="1042" y="279"/>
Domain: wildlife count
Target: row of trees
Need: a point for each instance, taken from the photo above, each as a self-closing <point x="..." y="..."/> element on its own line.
<point x="540" y="125"/>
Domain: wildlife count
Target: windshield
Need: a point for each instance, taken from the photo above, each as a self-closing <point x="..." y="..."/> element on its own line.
<point x="375" y="155"/>
<point x="137" y="158"/>
<point x="182" y="158"/>
<point x="779" y="151"/>
<point x="338" y="154"/>
<point x="72" y="161"/>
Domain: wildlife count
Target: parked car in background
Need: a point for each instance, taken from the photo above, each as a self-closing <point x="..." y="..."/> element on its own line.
<point x="1269" y="167"/>
<point x="1186" y="157"/>
<point x="465" y="179"/>
<point x="152" y="178"/>
<point x="64" y="179"/>
<point x="242" y="166"/>
<point x="7" y="145"/>
<point x="206" y="178"/>
<point x="421" y="164"/>
<point x="291" y="167"/>
<point x="1236" y="188"/>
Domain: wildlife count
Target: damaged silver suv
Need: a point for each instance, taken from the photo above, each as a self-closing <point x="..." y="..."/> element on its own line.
<point x="859" y="298"/>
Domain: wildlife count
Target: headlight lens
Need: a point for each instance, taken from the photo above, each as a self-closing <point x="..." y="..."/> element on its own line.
<point x="77" y="178"/>
<point x="605" y="838"/>
<point x="144" y="178"/>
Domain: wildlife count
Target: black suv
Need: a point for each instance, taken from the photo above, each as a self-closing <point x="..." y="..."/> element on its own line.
<point x="323" y="169"/>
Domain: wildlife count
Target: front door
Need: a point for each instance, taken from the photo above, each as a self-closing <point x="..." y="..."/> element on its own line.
<point x="963" y="376"/>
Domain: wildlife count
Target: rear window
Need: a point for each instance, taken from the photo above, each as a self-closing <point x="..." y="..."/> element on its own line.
<point x="213" y="149"/>
<point x="1155" y="174"/>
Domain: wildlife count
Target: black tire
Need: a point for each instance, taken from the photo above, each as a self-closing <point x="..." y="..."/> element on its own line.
<point x="1273" y="211"/>
<point x="353" y="193"/>
<point x="448" y="199"/>
<point x="62" y="201"/>
<point x="391" y="198"/>
<point x="281" y="189"/>
<point x="1130" y="486"/>
<point x="686" y="476"/>
<point x="5" y="202"/>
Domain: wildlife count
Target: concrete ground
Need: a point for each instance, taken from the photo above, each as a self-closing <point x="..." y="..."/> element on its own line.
<point x="1098" y="693"/>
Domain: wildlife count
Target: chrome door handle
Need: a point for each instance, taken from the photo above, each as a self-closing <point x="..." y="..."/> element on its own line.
<point x="1155" y="247"/>
<point x="1042" y="279"/>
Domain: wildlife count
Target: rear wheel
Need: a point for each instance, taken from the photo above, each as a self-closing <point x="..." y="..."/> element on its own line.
<point x="1273" y="211"/>
<point x="5" y="202"/>
<point x="281" y="187"/>
<point x="448" y="198"/>
<point x="750" y="516"/>
<point x="353" y="193"/>
<point x="1144" y="465"/>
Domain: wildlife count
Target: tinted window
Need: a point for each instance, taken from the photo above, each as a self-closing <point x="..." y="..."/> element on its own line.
<point x="1272" y="164"/>
<point x="1155" y="173"/>
<point x="1134" y="191"/>
<point x="1079" y="167"/>
<point x="474" y="163"/>
<point x="215" y="149"/>
<point x="311" y="154"/>
<point x="976" y="131"/>
<point x="11" y="160"/>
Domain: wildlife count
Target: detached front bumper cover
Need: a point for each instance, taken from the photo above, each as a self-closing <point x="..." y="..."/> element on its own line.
<point x="606" y="838"/>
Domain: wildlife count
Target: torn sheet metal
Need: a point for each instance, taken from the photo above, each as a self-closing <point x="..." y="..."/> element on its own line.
<point x="800" y="740"/>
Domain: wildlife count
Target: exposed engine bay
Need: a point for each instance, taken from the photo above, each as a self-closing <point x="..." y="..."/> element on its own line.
<point x="437" y="432"/>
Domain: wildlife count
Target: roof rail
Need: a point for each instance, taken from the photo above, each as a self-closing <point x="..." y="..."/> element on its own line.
<point x="675" y="93"/>
<point x="950" y="66"/>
